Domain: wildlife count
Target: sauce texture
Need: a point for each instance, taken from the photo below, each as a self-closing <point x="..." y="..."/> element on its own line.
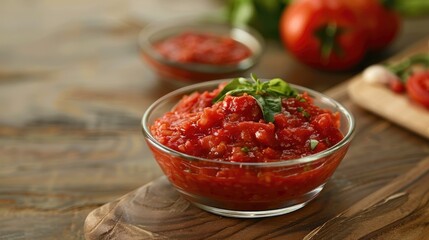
<point x="233" y="130"/>
<point x="203" y="48"/>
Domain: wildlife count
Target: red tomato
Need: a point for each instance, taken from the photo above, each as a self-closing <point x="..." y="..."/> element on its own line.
<point x="325" y="34"/>
<point x="381" y="23"/>
<point x="396" y="86"/>
<point x="418" y="88"/>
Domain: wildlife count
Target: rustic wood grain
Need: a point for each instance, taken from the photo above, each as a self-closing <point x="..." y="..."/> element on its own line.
<point x="156" y="211"/>
<point x="399" y="210"/>
<point x="394" y="107"/>
<point x="73" y="90"/>
<point x="397" y="108"/>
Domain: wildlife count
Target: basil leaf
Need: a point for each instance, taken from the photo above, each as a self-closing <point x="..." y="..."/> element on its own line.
<point x="313" y="143"/>
<point x="267" y="94"/>
<point x="273" y="105"/>
<point x="235" y="92"/>
<point x="236" y="83"/>
<point x="278" y="86"/>
<point x="245" y="149"/>
<point x="270" y="106"/>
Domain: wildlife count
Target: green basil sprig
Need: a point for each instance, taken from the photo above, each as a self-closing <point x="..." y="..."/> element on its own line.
<point x="403" y="69"/>
<point x="267" y="94"/>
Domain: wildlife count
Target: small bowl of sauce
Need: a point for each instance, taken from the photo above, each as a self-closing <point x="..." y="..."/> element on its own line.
<point x="199" y="50"/>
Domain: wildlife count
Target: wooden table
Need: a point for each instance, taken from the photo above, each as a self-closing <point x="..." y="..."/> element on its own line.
<point x="73" y="90"/>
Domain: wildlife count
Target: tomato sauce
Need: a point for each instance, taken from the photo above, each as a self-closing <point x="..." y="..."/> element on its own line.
<point x="204" y="48"/>
<point x="233" y="130"/>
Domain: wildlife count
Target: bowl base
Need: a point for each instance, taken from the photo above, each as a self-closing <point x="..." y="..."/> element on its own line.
<point x="293" y="206"/>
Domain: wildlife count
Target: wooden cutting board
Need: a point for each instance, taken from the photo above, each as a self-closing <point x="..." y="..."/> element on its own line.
<point x="395" y="107"/>
<point x="396" y="211"/>
<point x="156" y="211"/>
<point x="362" y="188"/>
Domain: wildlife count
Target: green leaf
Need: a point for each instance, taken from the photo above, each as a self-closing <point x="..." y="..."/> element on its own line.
<point x="273" y="105"/>
<point x="263" y="15"/>
<point x="270" y="5"/>
<point x="241" y="12"/>
<point x="236" y="83"/>
<point x="301" y="99"/>
<point x="236" y="92"/>
<point x="404" y="67"/>
<point x="268" y="94"/>
<point x="410" y="8"/>
<point x="270" y="106"/>
<point x="313" y="143"/>
<point x="280" y="87"/>
<point x="306" y="114"/>
<point x="245" y="149"/>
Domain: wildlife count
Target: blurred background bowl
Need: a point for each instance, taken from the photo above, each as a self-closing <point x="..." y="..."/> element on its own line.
<point x="191" y="72"/>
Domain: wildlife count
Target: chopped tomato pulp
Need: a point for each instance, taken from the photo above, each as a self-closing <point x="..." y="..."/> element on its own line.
<point x="233" y="130"/>
<point x="192" y="47"/>
<point x="198" y="48"/>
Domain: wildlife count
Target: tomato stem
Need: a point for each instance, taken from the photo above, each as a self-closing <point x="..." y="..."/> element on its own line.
<point x="389" y="4"/>
<point x="327" y="35"/>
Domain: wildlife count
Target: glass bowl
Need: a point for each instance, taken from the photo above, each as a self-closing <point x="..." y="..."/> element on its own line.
<point x="247" y="190"/>
<point x="192" y="72"/>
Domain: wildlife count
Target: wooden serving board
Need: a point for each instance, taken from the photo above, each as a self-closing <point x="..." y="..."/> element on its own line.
<point x="156" y="211"/>
<point x="396" y="211"/>
<point x="395" y="107"/>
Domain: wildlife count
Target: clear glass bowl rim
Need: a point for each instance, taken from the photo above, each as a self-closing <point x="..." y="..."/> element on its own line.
<point x="153" y="28"/>
<point x="307" y="159"/>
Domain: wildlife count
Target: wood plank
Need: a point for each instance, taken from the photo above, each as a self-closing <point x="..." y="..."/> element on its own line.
<point x="158" y="211"/>
<point x="395" y="107"/>
<point x="73" y="90"/>
<point x="399" y="210"/>
<point x="369" y="165"/>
